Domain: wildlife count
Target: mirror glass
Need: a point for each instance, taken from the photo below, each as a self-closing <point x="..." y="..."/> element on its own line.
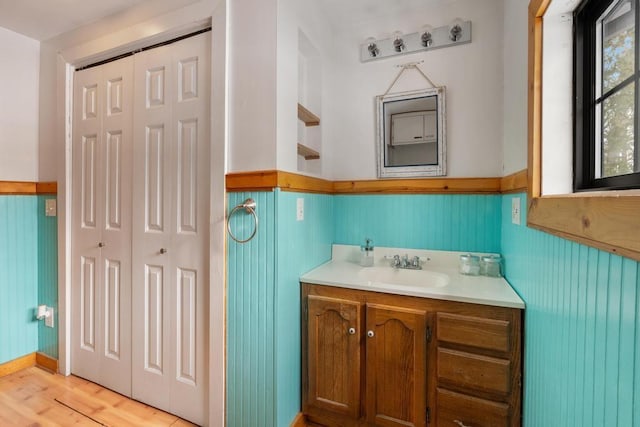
<point x="411" y="134"/>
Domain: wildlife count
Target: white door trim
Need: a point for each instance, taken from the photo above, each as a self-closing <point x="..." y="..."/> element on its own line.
<point x="184" y="20"/>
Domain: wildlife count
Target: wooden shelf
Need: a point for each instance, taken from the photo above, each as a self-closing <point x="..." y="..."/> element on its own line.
<point x="307" y="117"/>
<point x="307" y="153"/>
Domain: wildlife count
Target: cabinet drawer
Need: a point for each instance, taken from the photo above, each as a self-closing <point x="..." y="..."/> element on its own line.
<point x="477" y="332"/>
<point x="457" y="410"/>
<point x="474" y="371"/>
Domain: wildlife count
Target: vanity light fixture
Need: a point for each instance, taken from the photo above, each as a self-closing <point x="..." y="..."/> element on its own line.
<point x="398" y="43"/>
<point x="455" y="29"/>
<point x="372" y="47"/>
<point x="428" y="38"/>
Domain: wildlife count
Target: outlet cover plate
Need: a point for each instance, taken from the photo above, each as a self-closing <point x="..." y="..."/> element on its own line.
<point x="300" y="209"/>
<point x="515" y="210"/>
<point x="50" y="207"/>
<point x="49" y="319"/>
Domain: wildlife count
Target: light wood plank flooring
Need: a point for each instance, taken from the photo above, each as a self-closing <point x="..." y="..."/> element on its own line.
<point x="34" y="397"/>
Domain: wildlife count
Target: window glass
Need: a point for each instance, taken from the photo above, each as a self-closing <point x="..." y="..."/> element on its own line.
<point x="618" y="44"/>
<point x="617" y="133"/>
<point x="616" y="86"/>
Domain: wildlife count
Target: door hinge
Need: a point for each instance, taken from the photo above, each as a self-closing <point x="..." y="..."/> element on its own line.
<point x="428" y="415"/>
<point x="429" y="334"/>
<point x="306" y="311"/>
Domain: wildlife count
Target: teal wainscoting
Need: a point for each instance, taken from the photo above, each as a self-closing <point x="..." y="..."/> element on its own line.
<point x="263" y="332"/>
<point x="300" y="247"/>
<point x="47" y="276"/>
<point x="18" y="276"/>
<point x="439" y="222"/>
<point x="582" y="328"/>
<point x="251" y="390"/>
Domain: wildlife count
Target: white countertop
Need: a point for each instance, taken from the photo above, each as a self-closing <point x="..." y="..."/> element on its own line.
<point x="344" y="270"/>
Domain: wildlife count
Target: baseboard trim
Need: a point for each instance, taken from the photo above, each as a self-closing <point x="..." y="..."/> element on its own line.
<point x="47" y="362"/>
<point x="18" y="364"/>
<point x="27" y="361"/>
<point x="298" y="421"/>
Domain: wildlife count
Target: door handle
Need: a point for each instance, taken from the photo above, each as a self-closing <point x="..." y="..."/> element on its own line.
<point x="163" y="251"/>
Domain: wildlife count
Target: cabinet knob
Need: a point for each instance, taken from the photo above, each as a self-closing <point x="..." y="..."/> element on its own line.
<point x="101" y="245"/>
<point x="352" y="331"/>
<point x="370" y="334"/>
<point x="460" y="423"/>
<point x="163" y="251"/>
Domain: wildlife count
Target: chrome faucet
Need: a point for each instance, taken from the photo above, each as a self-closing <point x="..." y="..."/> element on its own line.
<point x="404" y="262"/>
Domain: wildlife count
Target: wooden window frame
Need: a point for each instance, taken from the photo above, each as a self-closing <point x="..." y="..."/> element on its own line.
<point x="605" y="220"/>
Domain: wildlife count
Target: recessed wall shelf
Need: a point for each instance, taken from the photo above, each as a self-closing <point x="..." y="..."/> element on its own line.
<point x="307" y="117"/>
<point x="306" y="152"/>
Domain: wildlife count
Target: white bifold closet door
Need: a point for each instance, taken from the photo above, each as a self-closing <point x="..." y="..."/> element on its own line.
<point x="101" y="214"/>
<point x="171" y="226"/>
<point x="140" y="235"/>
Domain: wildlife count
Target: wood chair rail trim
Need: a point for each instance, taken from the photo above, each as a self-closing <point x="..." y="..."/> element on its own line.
<point x="270" y="179"/>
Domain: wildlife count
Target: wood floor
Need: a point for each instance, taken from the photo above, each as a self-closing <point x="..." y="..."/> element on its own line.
<point x="34" y="397"/>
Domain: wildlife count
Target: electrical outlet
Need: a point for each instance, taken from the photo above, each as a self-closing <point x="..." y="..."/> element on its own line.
<point x="50" y="207"/>
<point x="515" y="210"/>
<point x="300" y="209"/>
<point x="48" y="320"/>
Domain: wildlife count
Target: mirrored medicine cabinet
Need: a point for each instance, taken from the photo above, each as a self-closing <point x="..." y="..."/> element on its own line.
<point x="411" y="134"/>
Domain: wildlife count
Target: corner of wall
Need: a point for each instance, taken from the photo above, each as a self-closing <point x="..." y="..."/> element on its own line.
<point x="47" y="241"/>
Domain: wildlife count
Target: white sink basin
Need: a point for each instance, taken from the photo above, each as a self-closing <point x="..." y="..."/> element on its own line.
<point x="402" y="277"/>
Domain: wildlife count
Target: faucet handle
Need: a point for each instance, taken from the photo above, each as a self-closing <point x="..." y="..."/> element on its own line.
<point x="415" y="261"/>
<point x="396" y="260"/>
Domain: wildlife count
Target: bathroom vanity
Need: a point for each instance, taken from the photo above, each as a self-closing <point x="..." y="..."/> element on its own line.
<point x="387" y="347"/>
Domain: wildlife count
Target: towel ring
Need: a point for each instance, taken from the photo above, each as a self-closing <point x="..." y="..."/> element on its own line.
<point x="249" y="206"/>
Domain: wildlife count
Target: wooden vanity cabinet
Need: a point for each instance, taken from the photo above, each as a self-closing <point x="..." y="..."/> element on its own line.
<point x="333" y="344"/>
<point x="478" y="368"/>
<point x="375" y="359"/>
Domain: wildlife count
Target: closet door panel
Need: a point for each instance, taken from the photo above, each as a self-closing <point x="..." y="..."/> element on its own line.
<point x="101" y="216"/>
<point x="190" y="237"/>
<point x="151" y="273"/>
<point x="88" y="280"/>
<point x="154" y="320"/>
<point x="87" y="218"/>
<point x="116" y="194"/>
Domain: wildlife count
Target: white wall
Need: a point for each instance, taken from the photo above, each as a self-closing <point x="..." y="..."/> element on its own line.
<point x="472" y="74"/>
<point x="19" y="107"/>
<point x="306" y="17"/>
<point x="252" y="85"/>
<point x="557" y="99"/>
<point x="515" y="85"/>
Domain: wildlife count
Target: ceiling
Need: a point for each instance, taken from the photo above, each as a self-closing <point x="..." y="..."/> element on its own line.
<point x="43" y="19"/>
<point x="344" y="13"/>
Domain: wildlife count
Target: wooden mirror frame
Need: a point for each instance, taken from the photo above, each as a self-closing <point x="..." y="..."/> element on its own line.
<point x="607" y="220"/>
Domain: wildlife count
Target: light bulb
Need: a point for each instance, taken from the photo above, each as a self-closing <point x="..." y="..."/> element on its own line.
<point x="372" y="47"/>
<point x="398" y="43"/>
<point x="455" y="29"/>
<point x="426" y="35"/>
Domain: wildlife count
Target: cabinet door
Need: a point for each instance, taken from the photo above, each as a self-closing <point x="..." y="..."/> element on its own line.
<point x="333" y="355"/>
<point x="396" y="366"/>
<point x="407" y="128"/>
<point x="430" y="126"/>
